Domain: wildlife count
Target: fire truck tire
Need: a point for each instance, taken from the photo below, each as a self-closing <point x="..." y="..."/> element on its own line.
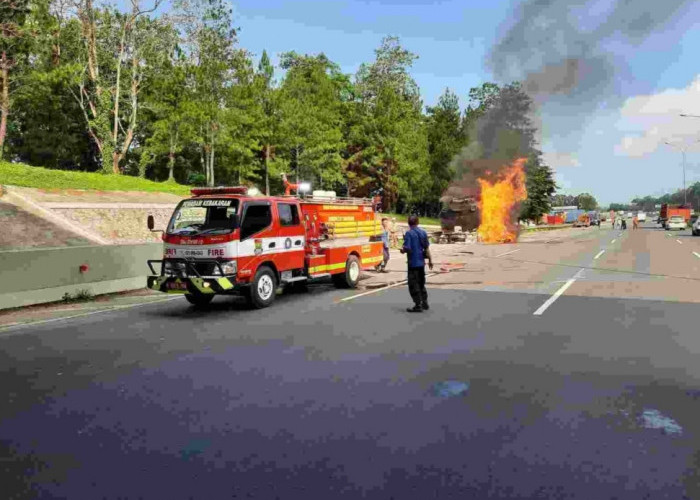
<point x="199" y="299"/>
<point x="262" y="290"/>
<point x="351" y="277"/>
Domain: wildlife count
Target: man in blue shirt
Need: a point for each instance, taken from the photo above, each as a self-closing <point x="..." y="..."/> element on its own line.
<point x="416" y="245"/>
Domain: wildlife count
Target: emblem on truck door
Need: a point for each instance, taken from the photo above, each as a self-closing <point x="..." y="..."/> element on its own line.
<point x="288" y="243"/>
<point x="258" y="247"/>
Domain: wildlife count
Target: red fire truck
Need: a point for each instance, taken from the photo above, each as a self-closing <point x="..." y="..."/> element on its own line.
<point x="223" y="241"/>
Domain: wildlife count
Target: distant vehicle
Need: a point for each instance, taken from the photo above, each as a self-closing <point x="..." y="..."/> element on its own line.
<point x="584" y="220"/>
<point x="642" y="216"/>
<point x="692" y="220"/>
<point x="676" y="222"/>
<point x="669" y="211"/>
<point x="696" y="227"/>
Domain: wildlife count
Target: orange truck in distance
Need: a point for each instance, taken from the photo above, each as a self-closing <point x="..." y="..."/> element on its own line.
<point x="224" y="241"/>
<point x="668" y="211"/>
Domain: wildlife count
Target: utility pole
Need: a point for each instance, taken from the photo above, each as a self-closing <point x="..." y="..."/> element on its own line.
<point x="683" y="150"/>
<point x="685" y="191"/>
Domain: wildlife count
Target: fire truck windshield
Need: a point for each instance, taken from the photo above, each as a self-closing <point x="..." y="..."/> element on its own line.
<point x="204" y="216"/>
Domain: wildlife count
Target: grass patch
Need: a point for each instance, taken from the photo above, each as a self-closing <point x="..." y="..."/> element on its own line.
<point x="79" y="296"/>
<point x="18" y="174"/>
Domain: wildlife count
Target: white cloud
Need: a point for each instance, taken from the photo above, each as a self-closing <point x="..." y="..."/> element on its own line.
<point x="657" y="119"/>
<point x="560" y="160"/>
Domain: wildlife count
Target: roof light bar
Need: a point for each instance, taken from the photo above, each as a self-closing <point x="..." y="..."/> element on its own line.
<point x="220" y="190"/>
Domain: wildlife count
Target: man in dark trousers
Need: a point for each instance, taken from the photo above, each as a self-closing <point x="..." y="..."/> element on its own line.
<point x="416" y="245"/>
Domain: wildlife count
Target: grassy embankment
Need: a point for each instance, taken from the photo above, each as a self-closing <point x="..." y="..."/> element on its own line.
<point x="17" y="174"/>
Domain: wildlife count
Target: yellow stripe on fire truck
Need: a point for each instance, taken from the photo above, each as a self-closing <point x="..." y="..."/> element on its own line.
<point x="326" y="267"/>
<point x="334" y="267"/>
<point x="372" y="260"/>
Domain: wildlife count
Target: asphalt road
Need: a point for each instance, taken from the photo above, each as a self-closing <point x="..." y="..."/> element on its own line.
<point x="487" y="395"/>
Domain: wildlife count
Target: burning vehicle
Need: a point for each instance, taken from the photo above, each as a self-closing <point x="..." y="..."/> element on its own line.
<point x="488" y="206"/>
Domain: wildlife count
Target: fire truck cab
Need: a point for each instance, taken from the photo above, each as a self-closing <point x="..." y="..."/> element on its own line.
<point x="223" y="241"/>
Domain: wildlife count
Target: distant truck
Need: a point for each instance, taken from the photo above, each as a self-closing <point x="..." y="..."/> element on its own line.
<point x="668" y="211"/>
<point x="584" y="220"/>
<point x="641" y="216"/>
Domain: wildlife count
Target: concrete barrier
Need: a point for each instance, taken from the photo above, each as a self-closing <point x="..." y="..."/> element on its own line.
<point x="44" y="275"/>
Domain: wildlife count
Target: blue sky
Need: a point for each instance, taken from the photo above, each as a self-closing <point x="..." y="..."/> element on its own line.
<point x="453" y="38"/>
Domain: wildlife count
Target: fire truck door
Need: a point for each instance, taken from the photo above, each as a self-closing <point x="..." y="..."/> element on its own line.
<point x="258" y="241"/>
<point x="291" y="237"/>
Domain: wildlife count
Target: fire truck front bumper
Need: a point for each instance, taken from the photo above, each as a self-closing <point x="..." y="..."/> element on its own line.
<point x="206" y="286"/>
<point x="181" y="276"/>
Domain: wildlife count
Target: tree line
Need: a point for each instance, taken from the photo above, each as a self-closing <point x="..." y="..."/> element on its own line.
<point x="584" y="201"/>
<point x="173" y="96"/>
<point x="647" y="203"/>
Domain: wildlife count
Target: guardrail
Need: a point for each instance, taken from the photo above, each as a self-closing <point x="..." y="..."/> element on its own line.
<point x="45" y="275"/>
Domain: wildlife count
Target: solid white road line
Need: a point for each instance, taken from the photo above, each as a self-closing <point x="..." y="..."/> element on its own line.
<point x="599" y="254"/>
<point x="696" y="254"/>
<point x="679" y="241"/>
<point x="380" y="289"/>
<point x="18" y="326"/>
<point x="557" y="294"/>
<point x="512" y="251"/>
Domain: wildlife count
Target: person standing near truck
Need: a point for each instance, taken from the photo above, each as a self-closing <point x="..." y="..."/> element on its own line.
<point x="385" y="241"/>
<point x="393" y="234"/>
<point x="416" y="246"/>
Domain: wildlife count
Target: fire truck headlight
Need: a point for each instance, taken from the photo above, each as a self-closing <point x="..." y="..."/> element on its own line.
<point x="230" y="267"/>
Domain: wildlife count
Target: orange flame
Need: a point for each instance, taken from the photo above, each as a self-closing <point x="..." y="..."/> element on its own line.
<point x="498" y="199"/>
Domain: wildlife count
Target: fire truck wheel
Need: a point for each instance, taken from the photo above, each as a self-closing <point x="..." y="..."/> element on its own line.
<point x="263" y="289"/>
<point x="199" y="299"/>
<point x="351" y="277"/>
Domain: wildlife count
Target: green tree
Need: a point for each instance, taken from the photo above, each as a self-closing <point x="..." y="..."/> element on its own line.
<point x="505" y="130"/>
<point x="540" y="188"/>
<point x="120" y="50"/>
<point x="586" y="201"/>
<point x="13" y="14"/>
<point x="45" y="127"/>
<point x="269" y="115"/>
<point x="210" y="44"/>
<point x="310" y="103"/>
<point x="481" y="99"/>
<point x="618" y="206"/>
<point x="445" y="139"/>
<point x="172" y="113"/>
<point x="390" y="143"/>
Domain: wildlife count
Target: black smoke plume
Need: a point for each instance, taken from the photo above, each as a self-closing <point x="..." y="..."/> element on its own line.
<point x="561" y="50"/>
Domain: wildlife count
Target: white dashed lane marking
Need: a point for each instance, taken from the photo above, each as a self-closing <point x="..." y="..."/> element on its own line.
<point x="557" y="294"/>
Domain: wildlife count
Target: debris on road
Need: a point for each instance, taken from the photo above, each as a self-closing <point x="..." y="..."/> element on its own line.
<point x="451" y="388"/>
<point x="654" y="419"/>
